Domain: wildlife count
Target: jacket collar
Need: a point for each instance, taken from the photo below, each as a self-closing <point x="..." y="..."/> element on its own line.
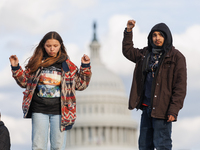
<point x="65" y="66"/>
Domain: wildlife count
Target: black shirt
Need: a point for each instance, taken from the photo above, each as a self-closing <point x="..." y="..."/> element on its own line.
<point x="46" y="98"/>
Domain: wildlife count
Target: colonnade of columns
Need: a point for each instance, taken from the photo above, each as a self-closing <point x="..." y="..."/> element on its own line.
<point x="101" y="136"/>
<point x="102" y="109"/>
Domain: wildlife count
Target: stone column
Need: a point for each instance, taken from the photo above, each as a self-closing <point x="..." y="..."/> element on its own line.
<point x="99" y="135"/>
<point x="125" y="136"/>
<point x="85" y="136"/>
<point x="72" y="137"/>
<point x="107" y="135"/>
<point x="135" y="137"/>
<point x="78" y="136"/>
<point x="93" y="141"/>
<point x="132" y="137"/>
<point x="114" y="135"/>
<point x="121" y="136"/>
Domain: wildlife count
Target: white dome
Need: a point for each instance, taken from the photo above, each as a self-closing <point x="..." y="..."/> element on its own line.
<point x="103" y="119"/>
<point x="104" y="99"/>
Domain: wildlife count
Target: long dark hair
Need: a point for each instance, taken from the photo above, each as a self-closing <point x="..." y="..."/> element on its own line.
<point x="37" y="61"/>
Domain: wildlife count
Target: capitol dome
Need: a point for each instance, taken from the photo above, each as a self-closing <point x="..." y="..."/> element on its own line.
<point x="103" y="119"/>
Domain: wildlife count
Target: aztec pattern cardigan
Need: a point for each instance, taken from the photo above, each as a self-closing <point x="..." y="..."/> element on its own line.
<point x="71" y="79"/>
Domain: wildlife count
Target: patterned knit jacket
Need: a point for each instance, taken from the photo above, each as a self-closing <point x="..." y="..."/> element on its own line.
<point x="71" y="79"/>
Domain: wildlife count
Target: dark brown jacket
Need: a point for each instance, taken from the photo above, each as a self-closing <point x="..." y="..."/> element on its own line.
<point x="169" y="84"/>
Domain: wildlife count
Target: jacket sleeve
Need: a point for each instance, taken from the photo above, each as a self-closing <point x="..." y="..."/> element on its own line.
<point x="20" y="76"/>
<point x="128" y="49"/>
<point x="179" y="85"/>
<point x="83" y="77"/>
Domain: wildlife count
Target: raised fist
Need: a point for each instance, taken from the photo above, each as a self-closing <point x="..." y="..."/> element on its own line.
<point x="85" y="59"/>
<point x="130" y="25"/>
<point x="14" y="60"/>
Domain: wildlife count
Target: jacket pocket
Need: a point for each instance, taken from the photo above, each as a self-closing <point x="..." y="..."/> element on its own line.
<point x="168" y="70"/>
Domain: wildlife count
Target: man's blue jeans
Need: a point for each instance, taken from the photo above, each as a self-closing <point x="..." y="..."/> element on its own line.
<point x="40" y="132"/>
<point x="154" y="133"/>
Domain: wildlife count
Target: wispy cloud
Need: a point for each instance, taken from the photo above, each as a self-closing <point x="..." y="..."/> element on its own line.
<point x="83" y="4"/>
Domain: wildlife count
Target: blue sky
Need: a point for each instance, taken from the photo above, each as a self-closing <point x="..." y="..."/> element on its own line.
<point x="24" y="23"/>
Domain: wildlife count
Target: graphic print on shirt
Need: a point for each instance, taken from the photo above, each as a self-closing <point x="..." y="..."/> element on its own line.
<point x="49" y="82"/>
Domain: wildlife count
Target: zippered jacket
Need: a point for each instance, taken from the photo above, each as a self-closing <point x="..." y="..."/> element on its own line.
<point x="71" y="79"/>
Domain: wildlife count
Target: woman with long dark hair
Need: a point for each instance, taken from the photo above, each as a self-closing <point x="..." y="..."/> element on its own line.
<point x="50" y="79"/>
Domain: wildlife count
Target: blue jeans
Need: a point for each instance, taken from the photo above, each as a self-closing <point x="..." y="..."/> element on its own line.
<point x="154" y="133"/>
<point x="40" y="132"/>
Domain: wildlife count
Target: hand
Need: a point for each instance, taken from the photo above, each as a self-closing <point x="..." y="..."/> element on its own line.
<point x="130" y="25"/>
<point x="85" y="59"/>
<point x="14" y="60"/>
<point x="170" y="118"/>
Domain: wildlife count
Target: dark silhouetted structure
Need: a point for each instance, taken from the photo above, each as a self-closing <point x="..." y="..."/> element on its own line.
<point x="4" y="136"/>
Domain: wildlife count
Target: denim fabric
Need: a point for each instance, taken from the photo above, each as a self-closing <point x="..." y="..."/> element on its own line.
<point x="40" y="131"/>
<point x="154" y="133"/>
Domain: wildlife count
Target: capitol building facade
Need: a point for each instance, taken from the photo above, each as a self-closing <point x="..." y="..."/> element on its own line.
<point x="103" y="119"/>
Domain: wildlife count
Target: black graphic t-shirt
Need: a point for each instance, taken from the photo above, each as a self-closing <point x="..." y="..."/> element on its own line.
<point x="46" y="98"/>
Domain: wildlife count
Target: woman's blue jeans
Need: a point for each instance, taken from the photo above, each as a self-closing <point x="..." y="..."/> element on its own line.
<point x="41" y="123"/>
<point x="154" y="133"/>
